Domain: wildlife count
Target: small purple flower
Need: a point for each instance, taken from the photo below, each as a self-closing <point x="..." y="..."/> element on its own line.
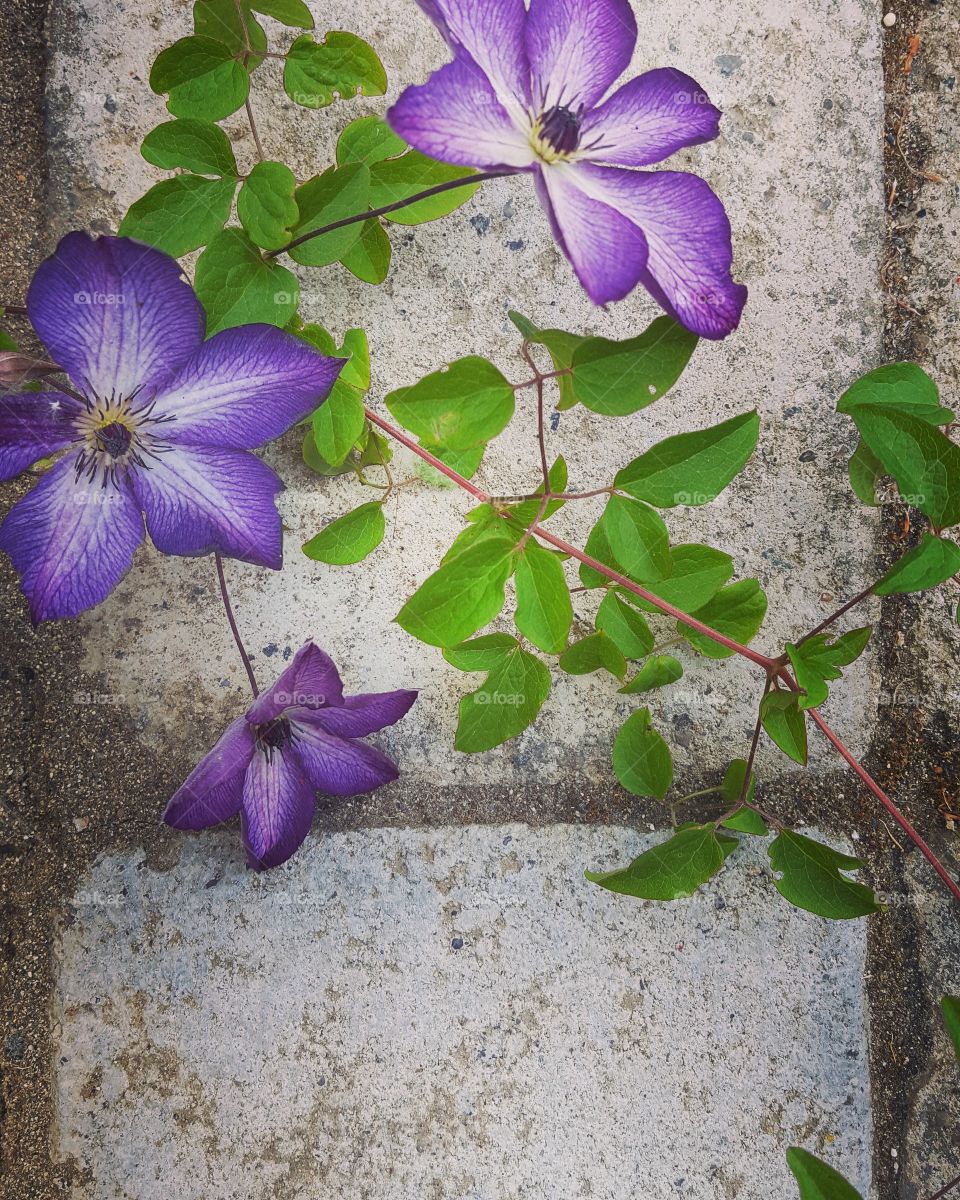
<point x="295" y="740"/>
<point x="525" y="92"/>
<point x="160" y="424"/>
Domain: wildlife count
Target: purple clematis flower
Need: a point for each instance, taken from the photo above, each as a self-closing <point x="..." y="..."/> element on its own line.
<point x="157" y="422"/>
<point x="525" y="92"/>
<point x="295" y="740"/>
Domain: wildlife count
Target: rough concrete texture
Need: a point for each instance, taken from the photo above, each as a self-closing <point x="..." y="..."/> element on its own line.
<point x="799" y="166"/>
<point x="450" y="1013"/>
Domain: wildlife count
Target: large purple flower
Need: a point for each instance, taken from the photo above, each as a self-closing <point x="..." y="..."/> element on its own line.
<point x="295" y="740"/>
<point x="159" y="422"/>
<point x="525" y="92"/>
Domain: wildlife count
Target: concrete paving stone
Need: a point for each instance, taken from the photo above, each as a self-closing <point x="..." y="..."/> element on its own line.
<point x="799" y="166"/>
<point x="450" y="1013"/>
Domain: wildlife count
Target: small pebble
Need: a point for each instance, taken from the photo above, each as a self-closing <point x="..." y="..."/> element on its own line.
<point x="890" y="20"/>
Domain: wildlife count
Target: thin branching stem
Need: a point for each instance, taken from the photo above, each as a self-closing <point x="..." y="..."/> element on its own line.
<point x="232" y="622"/>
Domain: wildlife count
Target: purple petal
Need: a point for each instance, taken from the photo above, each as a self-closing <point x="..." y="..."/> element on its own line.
<point x="359" y="715"/>
<point x="607" y="251"/>
<point x="115" y="314"/>
<point x="278" y="805"/>
<point x="577" y="49"/>
<point x="456" y="117"/>
<point x="311" y="681"/>
<point x="688" y="237"/>
<point x="245" y="387"/>
<point x="338" y="767"/>
<point x="212" y="792"/>
<point x="198" y="500"/>
<point x="33" y="425"/>
<point x="71" y="540"/>
<point x="648" y="119"/>
<point x="492" y="33"/>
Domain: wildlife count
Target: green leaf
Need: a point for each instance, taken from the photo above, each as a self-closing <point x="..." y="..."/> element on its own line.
<point x="598" y="547"/>
<point x="198" y="146"/>
<point x="507" y="702"/>
<point x="341" y="65"/>
<point x="656" y="672"/>
<point x="818" y="1181"/>
<point x="316" y="462"/>
<point x="561" y="347"/>
<point x="221" y="21"/>
<point x="484" y="522"/>
<point x="464" y="462"/>
<point x="544" y="612"/>
<point x="927" y="565"/>
<point x="616" y="378"/>
<point x="375" y="451"/>
<point x="368" y="140"/>
<point x="350" y="538"/>
<point x="818" y="660"/>
<point x="598" y="652"/>
<point x="747" y="820"/>
<point x="525" y="512"/>
<point x="180" y="214"/>
<point x="865" y="471"/>
<point x="901" y="387"/>
<point x="394" y="179"/>
<point x="369" y="257"/>
<point x="641" y="758"/>
<point x="482" y="653"/>
<point x="624" y="626"/>
<point x="732" y="785"/>
<point x="288" y="12"/>
<point x="355" y="349"/>
<point x="736" y="611"/>
<point x="238" y="287"/>
<point x="338" y="193"/>
<point x="691" y="468"/>
<point x="674" y="869"/>
<point x="461" y="407"/>
<point x="922" y="460"/>
<point x="462" y="596"/>
<point x="811" y="878"/>
<point x="638" y="538"/>
<point x="950" y="1006"/>
<point x="785" y="723"/>
<point x="266" y="207"/>
<point x="696" y="574"/>
<point x="202" y="78"/>
<point x="338" y="423"/>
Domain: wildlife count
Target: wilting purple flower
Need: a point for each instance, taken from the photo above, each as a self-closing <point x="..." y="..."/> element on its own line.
<point x="525" y="92"/>
<point x="295" y="740"/>
<point x="160" y="424"/>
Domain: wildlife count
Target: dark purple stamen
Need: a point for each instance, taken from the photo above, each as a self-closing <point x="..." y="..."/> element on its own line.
<point x="115" y="439"/>
<point x="560" y="128"/>
<point x="274" y="736"/>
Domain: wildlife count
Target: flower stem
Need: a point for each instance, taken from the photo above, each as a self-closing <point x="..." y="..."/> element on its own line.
<point x="944" y="1190"/>
<point x="825" y="624"/>
<point x="384" y="210"/>
<point x="231" y="620"/>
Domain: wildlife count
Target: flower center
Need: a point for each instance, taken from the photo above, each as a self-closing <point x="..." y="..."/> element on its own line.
<point x="114" y="439"/>
<point x="114" y="432"/>
<point x="556" y="133"/>
<point x="274" y="735"/>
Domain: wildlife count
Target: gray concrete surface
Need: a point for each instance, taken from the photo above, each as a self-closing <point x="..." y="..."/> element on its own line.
<point x="450" y="1013"/>
<point x="799" y="166"/>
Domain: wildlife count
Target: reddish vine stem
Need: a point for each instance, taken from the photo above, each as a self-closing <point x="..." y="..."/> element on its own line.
<point x="231" y="620"/>
<point x="944" y="1190"/>
<point x="772" y="667"/>
<point x="844" y="608"/>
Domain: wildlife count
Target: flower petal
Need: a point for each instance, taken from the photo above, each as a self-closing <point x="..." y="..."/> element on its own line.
<point x="71" y="540"/>
<point x="648" y="119"/>
<point x="199" y="499"/>
<point x="212" y="792"/>
<point x="607" y="251"/>
<point x="33" y="425"/>
<point x="311" y="681"/>
<point x="456" y="117"/>
<point x="115" y="314"/>
<point x="577" y="49"/>
<point x="278" y="806"/>
<point x="359" y="715"/>
<point x="688" y="238"/>
<point x="339" y="767"/>
<point x="245" y="387"/>
<point x="492" y="33"/>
